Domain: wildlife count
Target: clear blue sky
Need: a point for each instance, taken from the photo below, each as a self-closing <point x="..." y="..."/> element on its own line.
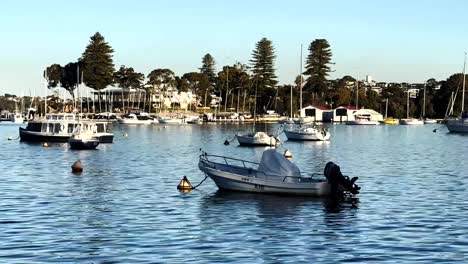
<point x="391" y="40"/>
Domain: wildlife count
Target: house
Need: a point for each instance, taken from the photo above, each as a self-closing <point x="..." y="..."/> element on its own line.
<point x="319" y="113"/>
<point x="344" y="113"/>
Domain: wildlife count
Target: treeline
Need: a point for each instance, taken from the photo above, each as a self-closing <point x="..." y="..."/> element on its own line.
<point x="238" y="85"/>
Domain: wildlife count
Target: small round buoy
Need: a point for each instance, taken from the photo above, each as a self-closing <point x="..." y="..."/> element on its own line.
<point x="287" y="154"/>
<point x="45" y="144"/>
<point x="10" y="138"/>
<point x="184" y="185"/>
<point x="77" y="166"/>
<point x="125" y="135"/>
<point x="435" y="130"/>
<point x="226" y="142"/>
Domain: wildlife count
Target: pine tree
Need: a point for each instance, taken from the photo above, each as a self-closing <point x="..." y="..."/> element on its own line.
<point x="264" y="72"/>
<point x="98" y="66"/>
<point x="317" y="68"/>
<point x="208" y="68"/>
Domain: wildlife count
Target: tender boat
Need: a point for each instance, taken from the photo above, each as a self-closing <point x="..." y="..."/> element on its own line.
<point x="307" y="134"/>
<point x="60" y="127"/>
<point x="411" y="121"/>
<point x="257" y="139"/>
<point x="391" y="121"/>
<point x="274" y="174"/>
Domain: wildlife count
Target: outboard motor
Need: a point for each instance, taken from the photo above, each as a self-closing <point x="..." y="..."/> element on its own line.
<point x="336" y="179"/>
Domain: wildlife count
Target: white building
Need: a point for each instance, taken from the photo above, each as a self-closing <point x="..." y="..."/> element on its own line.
<point x="344" y="113"/>
<point x="319" y="113"/>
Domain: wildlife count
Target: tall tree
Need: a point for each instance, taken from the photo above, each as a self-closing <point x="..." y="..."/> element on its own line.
<point x="262" y="61"/>
<point x="128" y="78"/>
<point x="208" y="68"/>
<point x="161" y="79"/>
<point x="98" y="65"/>
<point x="317" y="69"/>
<point x="53" y="74"/>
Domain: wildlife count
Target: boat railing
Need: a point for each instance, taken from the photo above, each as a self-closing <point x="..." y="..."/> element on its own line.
<point x="205" y="157"/>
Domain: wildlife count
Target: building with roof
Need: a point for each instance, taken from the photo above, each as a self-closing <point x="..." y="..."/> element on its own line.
<point x="318" y="113"/>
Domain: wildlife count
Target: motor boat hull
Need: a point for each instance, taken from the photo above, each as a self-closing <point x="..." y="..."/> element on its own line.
<point x="125" y="121"/>
<point x="250" y="183"/>
<point x="174" y="121"/>
<point x="411" y="122"/>
<point x="313" y="135"/>
<point x="362" y="122"/>
<point x="32" y="136"/>
<point x="253" y="140"/>
<point x="81" y="144"/>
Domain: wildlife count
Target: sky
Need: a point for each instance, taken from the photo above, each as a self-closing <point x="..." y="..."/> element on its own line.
<point x="393" y="41"/>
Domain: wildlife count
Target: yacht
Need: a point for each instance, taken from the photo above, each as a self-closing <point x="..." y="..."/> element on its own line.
<point x="60" y="127"/>
<point x="307" y="134"/>
<point x="257" y="139"/>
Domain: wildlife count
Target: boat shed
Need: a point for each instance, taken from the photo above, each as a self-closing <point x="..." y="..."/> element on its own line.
<point x="319" y="113"/>
<point x="344" y="113"/>
<point x="372" y="114"/>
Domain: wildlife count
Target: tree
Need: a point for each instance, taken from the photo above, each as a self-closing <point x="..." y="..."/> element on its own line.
<point x="98" y="65"/>
<point x="128" y="78"/>
<point x="317" y="68"/>
<point x="53" y="74"/>
<point x="263" y="57"/>
<point x="208" y="68"/>
<point x="161" y="79"/>
<point x="451" y="86"/>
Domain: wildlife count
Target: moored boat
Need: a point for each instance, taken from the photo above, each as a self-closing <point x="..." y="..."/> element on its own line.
<point x="274" y="174"/>
<point x="257" y="139"/>
<point x="307" y="134"/>
<point x="391" y="121"/>
<point x="411" y="121"/>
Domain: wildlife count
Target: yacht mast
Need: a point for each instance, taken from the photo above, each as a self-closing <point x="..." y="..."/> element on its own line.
<point x="357" y="93"/>
<point x="463" y="90"/>
<point x="386" y="107"/>
<point x="407" y="103"/>
<point x="300" y="85"/>
<point x="45" y="95"/>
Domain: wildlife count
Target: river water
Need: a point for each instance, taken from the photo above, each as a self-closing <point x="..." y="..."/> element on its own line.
<point x="124" y="207"/>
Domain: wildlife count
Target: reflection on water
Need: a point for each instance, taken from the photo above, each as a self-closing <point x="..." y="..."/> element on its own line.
<point x="125" y="207"/>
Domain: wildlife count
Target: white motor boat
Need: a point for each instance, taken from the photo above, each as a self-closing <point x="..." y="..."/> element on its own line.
<point x="411" y="121"/>
<point x="257" y="139"/>
<point x="17" y="118"/>
<point x="362" y="120"/>
<point x="274" y="174"/>
<point x="307" y="134"/>
<point x="170" y="120"/>
<point x="430" y="121"/>
<point x="133" y="119"/>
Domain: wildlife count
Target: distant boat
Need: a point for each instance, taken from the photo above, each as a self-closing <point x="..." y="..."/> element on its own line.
<point x="430" y="121"/>
<point x="257" y="139"/>
<point x="133" y="119"/>
<point x="170" y="120"/>
<point x="83" y="141"/>
<point x="307" y="134"/>
<point x="387" y="120"/>
<point x="411" y="121"/>
<point x="460" y="124"/>
<point x="362" y="120"/>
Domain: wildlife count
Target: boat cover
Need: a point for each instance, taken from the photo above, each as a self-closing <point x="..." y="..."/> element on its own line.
<point x="275" y="164"/>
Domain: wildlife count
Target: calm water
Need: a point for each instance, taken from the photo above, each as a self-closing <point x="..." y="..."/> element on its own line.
<point x="125" y="208"/>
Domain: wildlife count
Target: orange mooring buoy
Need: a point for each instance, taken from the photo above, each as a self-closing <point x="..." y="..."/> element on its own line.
<point x="184" y="185"/>
<point x="77" y="166"/>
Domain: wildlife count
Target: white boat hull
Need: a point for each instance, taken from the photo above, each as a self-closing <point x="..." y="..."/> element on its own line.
<point x="253" y="140"/>
<point x="430" y="121"/>
<point x="307" y="136"/>
<point x="411" y="122"/>
<point x="175" y="121"/>
<point x="251" y="183"/>
<point x="362" y="122"/>
<point x="134" y="121"/>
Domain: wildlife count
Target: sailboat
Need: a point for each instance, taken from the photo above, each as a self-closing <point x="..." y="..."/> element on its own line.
<point x="302" y="133"/>
<point x="426" y="120"/>
<point x="408" y="120"/>
<point x="459" y="124"/>
<point x="257" y="138"/>
<point x="389" y="121"/>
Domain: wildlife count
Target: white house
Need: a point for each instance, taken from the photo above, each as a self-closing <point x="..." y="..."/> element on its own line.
<point x="318" y="113"/>
<point x="344" y="113"/>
